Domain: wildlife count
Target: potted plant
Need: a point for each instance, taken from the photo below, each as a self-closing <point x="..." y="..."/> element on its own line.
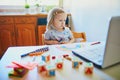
<point x="27" y="6"/>
<point x="38" y="7"/>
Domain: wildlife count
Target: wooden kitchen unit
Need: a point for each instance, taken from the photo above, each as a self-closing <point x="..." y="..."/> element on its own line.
<point x="7" y="33"/>
<point x="25" y="27"/>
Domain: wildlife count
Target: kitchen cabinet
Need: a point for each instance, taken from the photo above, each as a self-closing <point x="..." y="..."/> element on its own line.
<point x="25" y="29"/>
<point x="7" y="34"/>
<point x="17" y="31"/>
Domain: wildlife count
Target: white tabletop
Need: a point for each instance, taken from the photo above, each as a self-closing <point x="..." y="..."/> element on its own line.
<point x="67" y="73"/>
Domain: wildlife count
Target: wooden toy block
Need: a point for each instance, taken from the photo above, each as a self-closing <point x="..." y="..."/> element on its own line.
<point x="18" y="72"/>
<point x="46" y="58"/>
<point x="75" y="62"/>
<point x="13" y="73"/>
<point x="88" y="69"/>
<point x="59" y="64"/>
<point x="41" y="67"/>
<point x="50" y="70"/>
<point x="21" y="71"/>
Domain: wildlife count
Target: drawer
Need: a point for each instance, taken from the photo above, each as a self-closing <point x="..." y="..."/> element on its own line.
<point x="24" y="20"/>
<point x="6" y="20"/>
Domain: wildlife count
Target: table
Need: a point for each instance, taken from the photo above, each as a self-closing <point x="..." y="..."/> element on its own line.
<point x="67" y="73"/>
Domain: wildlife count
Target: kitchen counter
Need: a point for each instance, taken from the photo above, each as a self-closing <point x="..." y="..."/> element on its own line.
<point x="44" y="14"/>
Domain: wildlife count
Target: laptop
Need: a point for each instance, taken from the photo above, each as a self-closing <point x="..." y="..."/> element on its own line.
<point x="104" y="54"/>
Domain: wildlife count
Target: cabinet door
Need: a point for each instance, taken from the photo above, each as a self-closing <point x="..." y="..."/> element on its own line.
<point x="25" y="34"/>
<point x="7" y="37"/>
<point x="25" y="30"/>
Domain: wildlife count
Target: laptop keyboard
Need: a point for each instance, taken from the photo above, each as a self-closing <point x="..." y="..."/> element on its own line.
<point x="93" y="53"/>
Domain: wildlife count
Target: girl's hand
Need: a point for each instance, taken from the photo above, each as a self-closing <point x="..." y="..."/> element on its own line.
<point x="63" y="42"/>
<point x="55" y="42"/>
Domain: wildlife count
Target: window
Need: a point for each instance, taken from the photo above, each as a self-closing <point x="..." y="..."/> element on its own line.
<point x="47" y="4"/>
<point x="31" y="2"/>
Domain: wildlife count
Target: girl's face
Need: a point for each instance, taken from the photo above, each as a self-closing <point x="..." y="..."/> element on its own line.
<point x="59" y="21"/>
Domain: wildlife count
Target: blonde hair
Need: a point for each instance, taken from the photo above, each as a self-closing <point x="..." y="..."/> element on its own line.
<point x="52" y="13"/>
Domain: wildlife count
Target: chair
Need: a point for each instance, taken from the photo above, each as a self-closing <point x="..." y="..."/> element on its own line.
<point x="41" y="31"/>
<point x="43" y="43"/>
<point x="79" y="36"/>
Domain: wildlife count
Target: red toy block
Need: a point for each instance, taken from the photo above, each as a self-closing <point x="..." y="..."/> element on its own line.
<point x="88" y="69"/>
<point x="59" y="63"/>
<point x="41" y="67"/>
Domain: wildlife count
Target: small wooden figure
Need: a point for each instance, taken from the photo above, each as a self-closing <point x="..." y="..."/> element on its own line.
<point x="59" y="63"/>
<point x="88" y="69"/>
<point x="46" y="57"/>
<point x="50" y="70"/>
<point x="53" y="57"/>
<point x="41" y="67"/>
<point x="67" y="57"/>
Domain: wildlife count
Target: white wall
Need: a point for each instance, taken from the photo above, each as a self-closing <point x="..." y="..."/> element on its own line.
<point x="93" y="16"/>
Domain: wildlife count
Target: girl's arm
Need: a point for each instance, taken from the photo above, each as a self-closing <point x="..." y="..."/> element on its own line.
<point x="51" y="42"/>
<point x="72" y="40"/>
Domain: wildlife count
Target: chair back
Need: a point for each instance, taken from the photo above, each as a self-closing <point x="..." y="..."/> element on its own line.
<point x="79" y="36"/>
<point x="41" y="31"/>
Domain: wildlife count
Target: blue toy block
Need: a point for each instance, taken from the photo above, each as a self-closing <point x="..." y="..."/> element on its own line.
<point x="75" y="64"/>
<point x="52" y="73"/>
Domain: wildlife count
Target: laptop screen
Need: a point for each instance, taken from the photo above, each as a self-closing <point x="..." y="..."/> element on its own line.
<point x="112" y="53"/>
